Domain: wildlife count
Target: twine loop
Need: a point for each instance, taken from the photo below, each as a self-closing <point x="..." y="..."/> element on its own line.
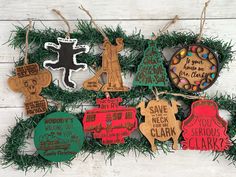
<point x="29" y="26"/>
<point x="202" y="20"/>
<point x="93" y="22"/>
<point x="164" y="29"/>
<point x="156" y="93"/>
<point x="65" y="20"/>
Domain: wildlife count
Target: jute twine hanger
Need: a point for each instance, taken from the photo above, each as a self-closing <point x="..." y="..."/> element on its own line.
<point x="202" y="21"/>
<point x="156" y="94"/>
<point x="99" y="30"/>
<point x="66" y="22"/>
<point x="165" y="28"/>
<point x="29" y="26"/>
<point x="93" y="22"/>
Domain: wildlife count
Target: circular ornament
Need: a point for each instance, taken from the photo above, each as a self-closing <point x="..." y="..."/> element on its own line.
<point x="59" y="137"/>
<point x="194" y="68"/>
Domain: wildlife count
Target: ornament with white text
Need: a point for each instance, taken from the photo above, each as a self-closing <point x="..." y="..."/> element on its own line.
<point x="59" y="137"/>
<point x="194" y="68"/>
<point x="30" y="80"/>
<point x="110" y="67"/>
<point x="160" y="122"/>
<point x="204" y="129"/>
<point x="67" y="50"/>
<point x="110" y="122"/>
<point x="151" y="71"/>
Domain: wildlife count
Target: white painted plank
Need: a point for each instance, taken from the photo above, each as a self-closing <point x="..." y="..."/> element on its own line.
<point x="224" y="29"/>
<point x="118" y="9"/>
<point x="178" y="164"/>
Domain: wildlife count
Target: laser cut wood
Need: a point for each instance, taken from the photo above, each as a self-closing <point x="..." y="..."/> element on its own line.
<point x="160" y="122"/>
<point x="110" y="67"/>
<point x="30" y="80"/>
<point x="194" y="68"/>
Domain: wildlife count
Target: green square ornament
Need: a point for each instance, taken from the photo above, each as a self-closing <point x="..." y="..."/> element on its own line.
<point x="59" y="137"/>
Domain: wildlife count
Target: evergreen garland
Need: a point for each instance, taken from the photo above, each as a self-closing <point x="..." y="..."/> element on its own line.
<point x="13" y="149"/>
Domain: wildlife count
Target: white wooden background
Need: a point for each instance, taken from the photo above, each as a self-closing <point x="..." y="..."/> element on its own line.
<point x="148" y="15"/>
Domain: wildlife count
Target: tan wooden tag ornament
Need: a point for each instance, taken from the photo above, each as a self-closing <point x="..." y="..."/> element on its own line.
<point x="30" y="80"/>
<point x="160" y="122"/>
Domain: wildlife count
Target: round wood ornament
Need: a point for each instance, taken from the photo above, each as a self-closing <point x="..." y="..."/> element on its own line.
<point x="59" y="137"/>
<point x="194" y="68"/>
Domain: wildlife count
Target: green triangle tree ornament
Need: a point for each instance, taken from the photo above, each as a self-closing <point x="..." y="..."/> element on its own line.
<point x="151" y="71"/>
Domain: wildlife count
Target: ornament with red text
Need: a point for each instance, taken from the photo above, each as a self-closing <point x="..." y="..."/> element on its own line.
<point x="110" y="122"/>
<point x="194" y="68"/>
<point x="204" y="129"/>
<point x="160" y="122"/>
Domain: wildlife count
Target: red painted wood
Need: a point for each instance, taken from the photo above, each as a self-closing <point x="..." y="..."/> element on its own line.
<point x="204" y="129"/>
<point x="110" y="122"/>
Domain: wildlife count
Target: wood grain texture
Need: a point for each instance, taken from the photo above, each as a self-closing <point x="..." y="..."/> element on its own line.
<point x="160" y="122"/>
<point x="148" y="15"/>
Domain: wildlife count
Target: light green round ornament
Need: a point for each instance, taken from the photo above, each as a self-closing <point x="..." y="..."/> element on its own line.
<point x="59" y="137"/>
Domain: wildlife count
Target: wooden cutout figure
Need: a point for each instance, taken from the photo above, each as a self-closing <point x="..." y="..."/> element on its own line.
<point x="160" y="122"/>
<point x="66" y="58"/>
<point x="111" y="67"/>
<point x="30" y="80"/>
<point x="194" y="68"/>
<point x="204" y="129"/>
<point x="151" y="71"/>
<point x="110" y="122"/>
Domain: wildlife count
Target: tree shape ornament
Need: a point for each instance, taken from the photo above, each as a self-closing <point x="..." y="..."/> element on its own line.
<point x="151" y="71"/>
<point x="111" y="67"/>
<point x="67" y="50"/>
<point x="110" y="122"/>
<point x="204" y="129"/>
<point x="160" y="122"/>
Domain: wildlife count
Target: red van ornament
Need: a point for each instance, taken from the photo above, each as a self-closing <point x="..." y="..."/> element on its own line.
<point x="110" y="122"/>
<point x="204" y="129"/>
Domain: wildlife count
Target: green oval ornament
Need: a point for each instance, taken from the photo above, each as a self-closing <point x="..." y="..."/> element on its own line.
<point x="59" y="137"/>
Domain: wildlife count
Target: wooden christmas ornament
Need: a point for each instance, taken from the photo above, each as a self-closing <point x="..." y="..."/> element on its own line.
<point x="110" y="67"/>
<point x="59" y="137"/>
<point x="160" y="122"/>
<point x="30" y="80"/>
<point x="194" y="68"/>
<point x="67" y="50"/>
<point x="110" y="122"/>
<point x="151" y="71"/>
<point x="204" y="129"/>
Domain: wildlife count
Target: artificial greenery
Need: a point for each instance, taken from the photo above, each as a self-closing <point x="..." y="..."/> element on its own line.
<point x="13" y="149"/>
